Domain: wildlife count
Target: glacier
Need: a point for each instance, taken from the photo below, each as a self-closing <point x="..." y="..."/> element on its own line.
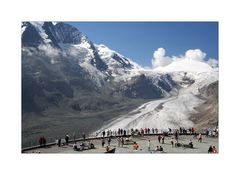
<point x="170" y="112"/>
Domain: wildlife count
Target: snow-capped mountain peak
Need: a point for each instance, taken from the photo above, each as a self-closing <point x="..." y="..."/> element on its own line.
<point x="114" y="59"/>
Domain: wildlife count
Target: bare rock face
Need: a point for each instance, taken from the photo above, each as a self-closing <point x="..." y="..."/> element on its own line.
<point x="207" y="115"/>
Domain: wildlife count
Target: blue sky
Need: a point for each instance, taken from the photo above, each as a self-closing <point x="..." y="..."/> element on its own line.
<point x="139" y="40"/>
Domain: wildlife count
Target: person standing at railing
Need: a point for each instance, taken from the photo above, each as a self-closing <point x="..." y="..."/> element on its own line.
<point x="67" y="138"/>
<point x="84" y="136"/>
<point x="103" y="133"/>
<point x="59" y="142"/>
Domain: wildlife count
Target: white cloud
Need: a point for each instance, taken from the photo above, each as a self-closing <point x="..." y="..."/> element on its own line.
<point x="212" y="62"/>
<point x="159" y="58"/>
<point x="49" y="50"/>
<point x="195" y="54"/>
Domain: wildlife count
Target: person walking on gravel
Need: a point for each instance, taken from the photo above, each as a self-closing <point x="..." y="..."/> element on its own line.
<point x="172" y="142"/>
<point x="159" y="138"/>
<point x="149" y="145"/>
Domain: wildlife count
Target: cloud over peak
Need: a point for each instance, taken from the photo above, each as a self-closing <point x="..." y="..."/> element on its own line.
<point x="195" y="54"/>
<point x="160" y="59"/>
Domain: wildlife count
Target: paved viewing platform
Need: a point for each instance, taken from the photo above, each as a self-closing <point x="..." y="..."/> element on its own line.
<point x="127" y="147"/>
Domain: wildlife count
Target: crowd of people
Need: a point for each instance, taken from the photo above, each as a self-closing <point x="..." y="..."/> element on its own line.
<point x="211" y="132"/>
<point x="83" y="146"/>
<point x="143" y="131"/>
<point x="122" y="134"/>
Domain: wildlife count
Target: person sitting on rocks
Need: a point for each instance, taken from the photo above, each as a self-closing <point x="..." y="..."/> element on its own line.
<point x="107" y="148"/>
<point x="210" y="149"/>
<point x="161" y="148"/>
<point x="214" y="149"/>
<point x="75" y="148"/>
<point x="91" y="145"/>
<point x="191" y="144"/>
<point x="135" y="146"/>
<point x="157" y="148"/>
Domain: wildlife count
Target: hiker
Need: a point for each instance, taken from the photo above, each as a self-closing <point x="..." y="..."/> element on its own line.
<point x="152" y="130"/>
<point x="67" y="138"/>
<point x="192" y="130"/>
<point x="163" y="138"/>
<point x="214" y="149"/>
<point x="210" y="149"/>
<point x="159" y="138"/>
<point x="90" y="144"/>
<point x="103" y="142"/>
<point x="145" y="130"/>
<point x="207" y="132"/>
<point x="121" y="131"/>
<point x="107" y="148"/>
<point x="191" y="144"/>
<point x="157" y="148"/>
<point x="75" y="148"/>
<point x="149" y="145"/>
<point x="118" y="131"/>
<point x="124" y="133"/>
<point x="84" y="136"/>
<point x="180" y="129"/>
<point x="200" y="138"/>
<point x="40" y="141"/>
<point x="109" y="141"/>
<point x="135" y="146"/>
<point x="128" y="132"/>
<point x="44" y="141"/>
<point x="103" y="133"/>
<point x="176" y="135"/>
<point x="172" y="142"/>
<point x="122" y="141"/>
<point x="161" y="148"/>
<point x="59" y="142"/>
<point x="119" y="141"/>
<point x="82" y="146"/>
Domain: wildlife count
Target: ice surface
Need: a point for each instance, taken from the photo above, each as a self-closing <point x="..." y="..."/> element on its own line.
<point x="170" y="112"/>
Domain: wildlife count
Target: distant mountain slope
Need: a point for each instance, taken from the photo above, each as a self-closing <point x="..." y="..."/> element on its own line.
<point x="60" y="61"/>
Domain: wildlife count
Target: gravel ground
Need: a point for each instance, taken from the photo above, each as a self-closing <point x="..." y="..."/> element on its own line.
<point x="143" y="143"/>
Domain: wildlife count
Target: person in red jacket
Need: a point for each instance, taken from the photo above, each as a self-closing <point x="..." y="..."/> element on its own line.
<point x="214" y="149"/>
